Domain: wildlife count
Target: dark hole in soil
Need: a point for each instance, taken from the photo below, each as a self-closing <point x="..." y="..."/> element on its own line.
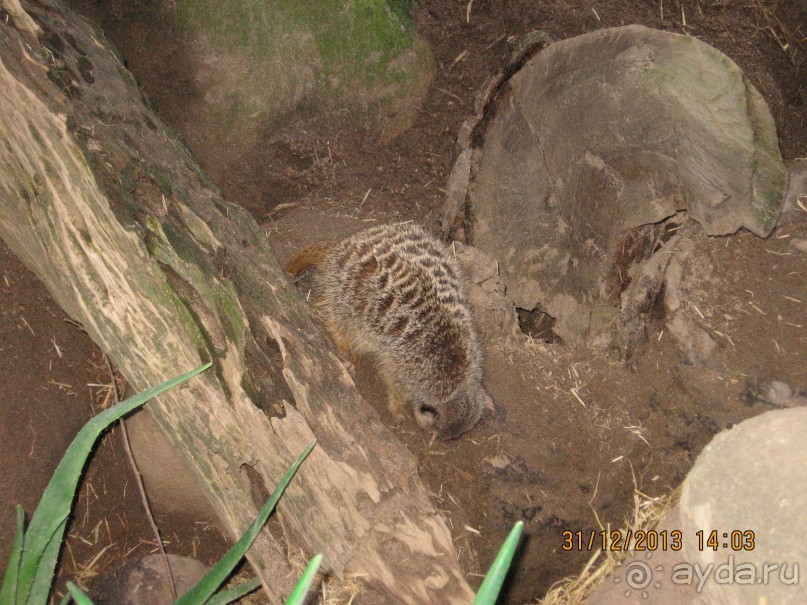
<point x="668" y="228"/>
<point x="537" y="324"/>
<point x="657" y="310"/>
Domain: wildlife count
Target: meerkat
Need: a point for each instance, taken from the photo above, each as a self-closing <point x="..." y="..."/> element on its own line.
<point x="397" y="293"/>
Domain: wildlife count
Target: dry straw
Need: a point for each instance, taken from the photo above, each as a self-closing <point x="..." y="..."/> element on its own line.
<point x="647" y="515"/>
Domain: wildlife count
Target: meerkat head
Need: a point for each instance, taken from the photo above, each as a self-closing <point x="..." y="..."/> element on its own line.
<point x="456" y="415"/>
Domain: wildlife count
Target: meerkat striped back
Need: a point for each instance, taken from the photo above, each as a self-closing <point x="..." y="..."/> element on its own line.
<point x="397" y="292"/>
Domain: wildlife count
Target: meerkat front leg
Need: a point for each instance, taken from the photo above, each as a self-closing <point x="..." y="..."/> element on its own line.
<point x="343" y="348"/>
<point x="396" y="402"/>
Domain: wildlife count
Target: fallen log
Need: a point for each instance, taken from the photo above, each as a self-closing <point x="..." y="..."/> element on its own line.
<point x="103" y="202"/>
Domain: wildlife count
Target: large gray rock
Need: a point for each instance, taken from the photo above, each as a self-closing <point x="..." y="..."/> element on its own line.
<point x="255" y="62"/>
<point x="752" y="478"/>
<point x="595" y="137"/>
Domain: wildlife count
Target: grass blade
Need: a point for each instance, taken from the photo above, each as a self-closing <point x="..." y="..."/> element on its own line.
<point x="78" y="596"/>
<point x="492" y="584"/>
<point x="231" y="594"/>
<point x="214" y="578"/>
<point x="298" y="595"/>
<point x="44" y="536"/>
<point x="8" y="591"/>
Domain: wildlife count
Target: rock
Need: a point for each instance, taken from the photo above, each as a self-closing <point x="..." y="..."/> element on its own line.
<point x="146" y="581"/>
<point x="494" y="314"/>
<point x="257" y="63"/>
<point x="752" y="478"/>
<point x="796" y="196"/>
<point x="694" y="341"/>
<point x="783" y="395"/>
<point x="578" y="158"/>
<point x="644" y="578"/>
<point x="170" y="484"/>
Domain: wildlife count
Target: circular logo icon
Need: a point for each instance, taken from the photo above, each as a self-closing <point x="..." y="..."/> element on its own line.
<point x="638" y="575"/>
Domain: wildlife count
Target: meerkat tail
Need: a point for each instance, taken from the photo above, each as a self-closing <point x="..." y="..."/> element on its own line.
<point x="308" y="257"/>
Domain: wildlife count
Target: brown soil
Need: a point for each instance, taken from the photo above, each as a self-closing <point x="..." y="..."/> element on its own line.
<point x="577" y="431"/>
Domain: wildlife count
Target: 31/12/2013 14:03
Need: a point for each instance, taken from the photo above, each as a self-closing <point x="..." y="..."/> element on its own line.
<point x="652" y="540"/>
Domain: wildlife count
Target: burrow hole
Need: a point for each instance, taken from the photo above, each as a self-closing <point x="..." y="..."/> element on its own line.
<point x="537" y="324"/>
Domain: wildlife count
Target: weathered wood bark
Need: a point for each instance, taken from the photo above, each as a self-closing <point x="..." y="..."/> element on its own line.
<point x="106" y="206"/>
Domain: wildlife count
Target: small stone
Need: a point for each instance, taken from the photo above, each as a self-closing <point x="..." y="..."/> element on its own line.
<point x="146" y="581"/>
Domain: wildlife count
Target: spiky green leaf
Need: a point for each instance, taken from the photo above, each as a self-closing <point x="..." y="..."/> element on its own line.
<point x="208" y="585"/>
<point x="298" y="595"/>
<point x="492" y="584"/>
<point x="43" y="539"/>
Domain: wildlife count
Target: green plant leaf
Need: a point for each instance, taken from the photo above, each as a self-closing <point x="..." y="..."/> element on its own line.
<point x="9" y="589"/>
<point x="492" y="584"/>
<point x="298" y="595"/>
<point x="43" y="539"/>
<point x="78" y="596"/>
<point x="231" y="594"/>
<point x="41" y="586"/>
<point x="213" y="579"/>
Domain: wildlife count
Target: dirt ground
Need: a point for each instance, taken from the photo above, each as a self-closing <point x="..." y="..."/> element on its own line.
<point x="577" y="432"/>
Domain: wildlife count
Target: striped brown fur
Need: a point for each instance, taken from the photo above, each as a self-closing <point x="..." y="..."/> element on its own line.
<point x="396" y="292"/>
